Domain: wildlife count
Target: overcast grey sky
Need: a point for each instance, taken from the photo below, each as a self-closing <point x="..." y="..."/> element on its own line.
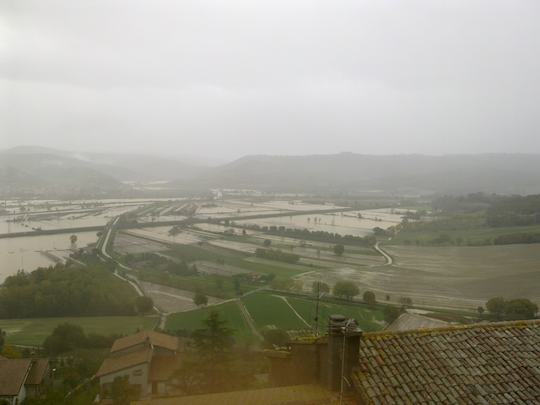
<point x="228" y="77"/>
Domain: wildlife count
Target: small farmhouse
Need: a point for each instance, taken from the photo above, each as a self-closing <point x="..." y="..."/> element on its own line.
<point x="22" y="378"/>
<point x="147" y="359"/>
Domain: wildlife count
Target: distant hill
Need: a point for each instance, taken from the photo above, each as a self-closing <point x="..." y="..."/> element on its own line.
<point x="349" y="172"/>
<point x="47" y="174"/>
<point x="39" y="171"/>
<point x="34" y="170"/>
<point x="144" y="167"/>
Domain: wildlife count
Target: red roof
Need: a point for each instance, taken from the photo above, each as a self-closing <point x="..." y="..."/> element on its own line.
<point x="13" y="373"/>
<point x="154" y="338"/>
<point x="38" y="371"/>
<point x="121" y="361"/>
<point x="482" y="364"/>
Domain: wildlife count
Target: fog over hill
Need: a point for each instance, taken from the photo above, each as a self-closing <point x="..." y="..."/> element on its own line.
<point x="46" y="171"/>
<point x="349" y="172"/>
<point x="37" y="170"/>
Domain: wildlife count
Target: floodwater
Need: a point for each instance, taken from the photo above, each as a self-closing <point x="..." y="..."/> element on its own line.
<point x="26" y="252"/>
<point x="343" y="223"/>
<point x="204" y="226"/>
<point x="161" y="234"/>
<point x="26" y="222"/>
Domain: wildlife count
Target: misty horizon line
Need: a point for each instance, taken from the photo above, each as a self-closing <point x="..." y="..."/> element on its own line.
<point x="216" y="159"/>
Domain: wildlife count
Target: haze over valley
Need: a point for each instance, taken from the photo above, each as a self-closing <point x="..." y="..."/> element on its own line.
<point x="286" y="202"/>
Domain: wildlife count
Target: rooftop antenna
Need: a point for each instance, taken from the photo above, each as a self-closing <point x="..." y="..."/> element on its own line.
<point x="344" y="330"/>
<point x="317" y="308"/>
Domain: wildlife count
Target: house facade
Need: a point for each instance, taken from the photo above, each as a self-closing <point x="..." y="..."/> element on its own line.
<point x="147" y="360"/>
<point x="23" y="378"/>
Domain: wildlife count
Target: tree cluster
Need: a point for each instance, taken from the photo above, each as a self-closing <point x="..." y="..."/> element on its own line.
<point x="346" y="289"/>
<point x="514" y="238"/>
<point x="515" y="309"/>
<point x="65" y="291"/>
<point x="144" y="304"/>
<point x="339" y="249"/>
<point x="515" y="211"/>
<point x="157" y="262"/>
<point x="278" y="255"/>
<point x="67" y="337"/>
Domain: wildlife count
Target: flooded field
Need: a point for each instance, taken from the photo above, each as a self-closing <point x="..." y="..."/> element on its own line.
<point x="297" y="205"/>
<point x="124" y="243"/>
<point x="221" y="229"/>
<point x="161" y="234"/>
<point x="205" y="267"/>
<point x="238" y="208"/>
<point x="30" y="252"/>
<point x="462" y="277"/>
<point x="356" y="223"/>
<point x="238" y="246"/>
<point x="84" y="217"/>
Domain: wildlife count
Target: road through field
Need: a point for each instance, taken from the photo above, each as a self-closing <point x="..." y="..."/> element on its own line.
<point x="294" y="310"/>
<point x="249" y="319"/>
<point x="388" y="258"/>
<point x="131" y="280"/>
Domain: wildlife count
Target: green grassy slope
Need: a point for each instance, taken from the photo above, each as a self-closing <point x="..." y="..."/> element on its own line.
<point x="34" y="331"/>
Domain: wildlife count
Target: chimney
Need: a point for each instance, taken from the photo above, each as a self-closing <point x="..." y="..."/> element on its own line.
<point x="343" y="350"/>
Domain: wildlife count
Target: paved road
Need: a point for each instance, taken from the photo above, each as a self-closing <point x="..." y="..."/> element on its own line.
<point x="105" y="256"/>
<point x="387" y="257"/>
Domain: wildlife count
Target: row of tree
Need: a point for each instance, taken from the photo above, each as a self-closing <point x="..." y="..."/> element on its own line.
<point x="278" y="255"/>
<point x="318" y="236"/>
<point x="513" y="238"/>
<point x="344" y="289"/>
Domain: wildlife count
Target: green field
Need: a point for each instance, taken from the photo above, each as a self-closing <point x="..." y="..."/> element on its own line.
<point x="207" y="284"/>
<point x="192" y="320"/>
<point x="268" y="310"/>
<point x="32" y="332"/>
<point x="468" y="229"/>
<point x="368" y="319"/>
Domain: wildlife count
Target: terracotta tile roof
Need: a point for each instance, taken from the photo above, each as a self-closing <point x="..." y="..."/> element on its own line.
<point x="481" y="364"/>
<point x="292" y="395"/>
<point x="120" y="361"/>
<point x="409" y="321"/>
<point x="155" y="338"/>
<point x="38" y="371"/>
<point x="13" y="374"/>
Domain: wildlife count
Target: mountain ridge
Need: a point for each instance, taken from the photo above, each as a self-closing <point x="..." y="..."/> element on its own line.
<point x="352" y="172"/>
